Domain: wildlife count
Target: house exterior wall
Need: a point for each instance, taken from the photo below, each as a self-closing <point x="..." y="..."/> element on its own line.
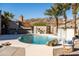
<point x="14" y="28"/>
<point x="13" y="25"/>
<point x="66" y="35"/>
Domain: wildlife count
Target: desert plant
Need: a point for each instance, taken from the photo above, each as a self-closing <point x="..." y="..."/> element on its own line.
<point x="40" y="24"/>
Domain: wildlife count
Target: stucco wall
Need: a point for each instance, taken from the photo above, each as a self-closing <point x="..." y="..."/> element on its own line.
<point x="65" y="34"/>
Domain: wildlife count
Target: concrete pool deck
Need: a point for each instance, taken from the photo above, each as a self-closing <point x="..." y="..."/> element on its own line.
<point x="32" y="49"/>
<point x="12" y="51"/>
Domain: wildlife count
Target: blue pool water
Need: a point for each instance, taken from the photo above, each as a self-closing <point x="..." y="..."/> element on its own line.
<point x="36" y="39"/>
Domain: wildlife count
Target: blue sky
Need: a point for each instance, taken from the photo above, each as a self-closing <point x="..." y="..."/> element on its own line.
<point x="28" y="10"/>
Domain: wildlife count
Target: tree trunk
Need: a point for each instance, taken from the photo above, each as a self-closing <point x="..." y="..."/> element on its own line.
<point x="56" y="24"/>
<point x="65" y="17"/>
<point x="75" y="24"/>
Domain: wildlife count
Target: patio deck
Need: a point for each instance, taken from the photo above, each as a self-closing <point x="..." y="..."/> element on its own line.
<point x="12" y="51"/>
<point x="75" y="53"/>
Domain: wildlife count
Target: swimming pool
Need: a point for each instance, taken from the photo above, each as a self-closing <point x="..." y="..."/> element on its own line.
<point x="37" y="39"/>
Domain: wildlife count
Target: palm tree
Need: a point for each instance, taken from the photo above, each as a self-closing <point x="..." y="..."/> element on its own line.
<point x="75" y="9"/>
<point x="49" y="13"/>
<point x="6" y="17"/>
<point x="54" y="12"/>
<point x="64" y="7"/>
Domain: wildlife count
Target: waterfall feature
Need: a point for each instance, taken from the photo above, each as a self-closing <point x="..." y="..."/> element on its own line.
<point x="40" y="29"/>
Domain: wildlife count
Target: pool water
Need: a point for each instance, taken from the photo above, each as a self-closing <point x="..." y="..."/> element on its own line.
<point x="36" y="39"/>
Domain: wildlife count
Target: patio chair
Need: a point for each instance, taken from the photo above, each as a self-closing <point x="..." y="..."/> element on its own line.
<point x="75" y="42"/>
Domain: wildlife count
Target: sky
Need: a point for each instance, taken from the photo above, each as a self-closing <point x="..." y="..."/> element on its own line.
<point x="28" y="10"/>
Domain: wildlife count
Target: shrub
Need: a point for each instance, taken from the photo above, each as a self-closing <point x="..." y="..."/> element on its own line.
<point x="40" y="24"/>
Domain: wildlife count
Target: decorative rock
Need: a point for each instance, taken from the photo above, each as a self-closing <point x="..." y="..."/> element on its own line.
<point x="53" y="42"/>
<point x="6" y="44"/>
